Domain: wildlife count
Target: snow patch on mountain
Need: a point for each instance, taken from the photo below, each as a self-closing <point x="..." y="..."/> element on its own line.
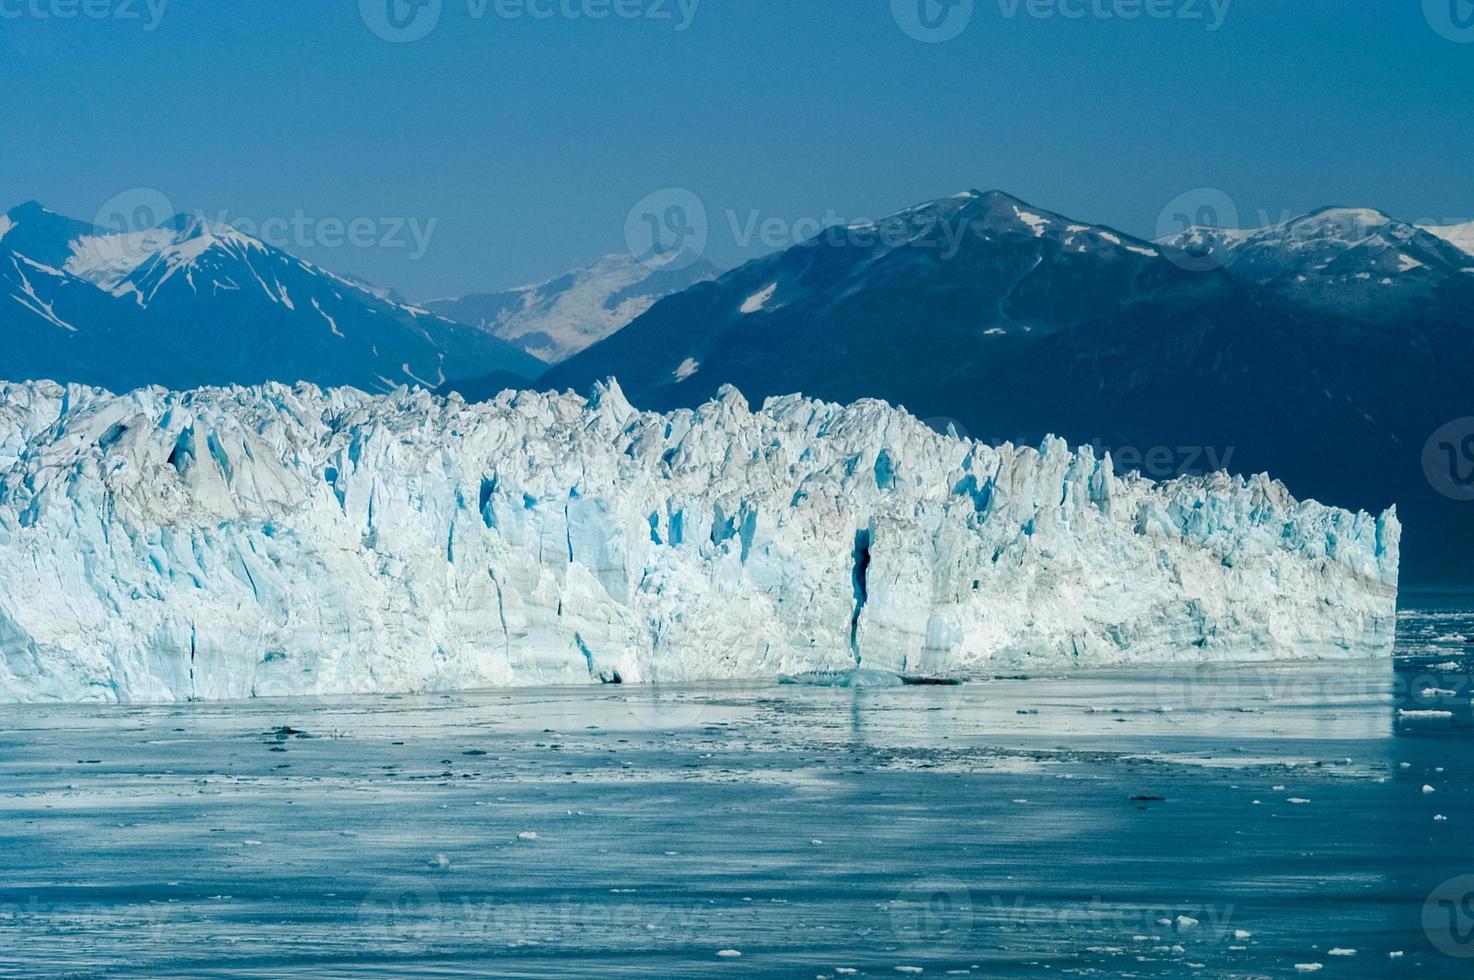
<point x="759" y="299"/>
<point x="28" y="296"/>
<point x="226" y="543"/>
<point x="106" y="260"/>
<point x="1034" y="221"/>
<point x="557" y="318"/>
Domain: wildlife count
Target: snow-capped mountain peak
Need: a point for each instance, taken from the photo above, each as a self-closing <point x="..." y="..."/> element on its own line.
<point x="994" y="214"/>
<point x="1351" y="258"/>
<point x="223" y="256"/>
<point x="40" y="234"/>
<point x="193" y="302"/>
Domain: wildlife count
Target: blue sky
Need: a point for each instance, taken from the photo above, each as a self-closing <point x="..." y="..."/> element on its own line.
<point x="526" y="140"/>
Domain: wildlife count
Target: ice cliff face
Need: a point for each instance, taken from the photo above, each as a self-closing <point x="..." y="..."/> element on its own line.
<point x="224" y="543"/>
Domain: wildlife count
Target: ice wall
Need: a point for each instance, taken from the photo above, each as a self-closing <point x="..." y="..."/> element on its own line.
<point x="225" y="543"/>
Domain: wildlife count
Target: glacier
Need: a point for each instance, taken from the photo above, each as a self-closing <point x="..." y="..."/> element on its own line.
<point x="235" y="542"/>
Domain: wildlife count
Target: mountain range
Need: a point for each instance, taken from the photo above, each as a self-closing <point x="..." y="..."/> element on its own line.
<point x="191" y="303"/>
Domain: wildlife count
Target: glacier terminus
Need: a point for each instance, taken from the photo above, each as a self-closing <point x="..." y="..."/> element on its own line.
<point x="235" y="542"/>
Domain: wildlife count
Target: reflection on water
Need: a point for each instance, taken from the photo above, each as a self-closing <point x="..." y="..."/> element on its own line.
<point x="1218" y="821"/>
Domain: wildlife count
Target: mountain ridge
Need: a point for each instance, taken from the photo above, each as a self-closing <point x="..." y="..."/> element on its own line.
<point x="189" y="302"/>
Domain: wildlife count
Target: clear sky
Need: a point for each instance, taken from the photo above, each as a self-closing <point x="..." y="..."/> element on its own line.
<point x="527" y="139"/>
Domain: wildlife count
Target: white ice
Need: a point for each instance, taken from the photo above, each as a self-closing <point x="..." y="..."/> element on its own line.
<point x="275" y="540"/>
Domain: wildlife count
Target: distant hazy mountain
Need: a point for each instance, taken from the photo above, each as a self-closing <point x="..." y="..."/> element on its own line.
<point x="1327" y="351"/>
<point x="190" y="303"/>
<point x="555" y="319"/>
<point x="1460" y="235"/>
<point x="1355" y="261"/>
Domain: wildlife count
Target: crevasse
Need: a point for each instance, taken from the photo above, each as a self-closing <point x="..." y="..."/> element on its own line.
<point x="226" y="543"/>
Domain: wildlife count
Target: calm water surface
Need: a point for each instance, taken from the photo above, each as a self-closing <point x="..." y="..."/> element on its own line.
<point x="1228" y="822"/>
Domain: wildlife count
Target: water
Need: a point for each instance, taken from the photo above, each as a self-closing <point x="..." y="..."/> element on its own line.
<point x="1012" y="827"/>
